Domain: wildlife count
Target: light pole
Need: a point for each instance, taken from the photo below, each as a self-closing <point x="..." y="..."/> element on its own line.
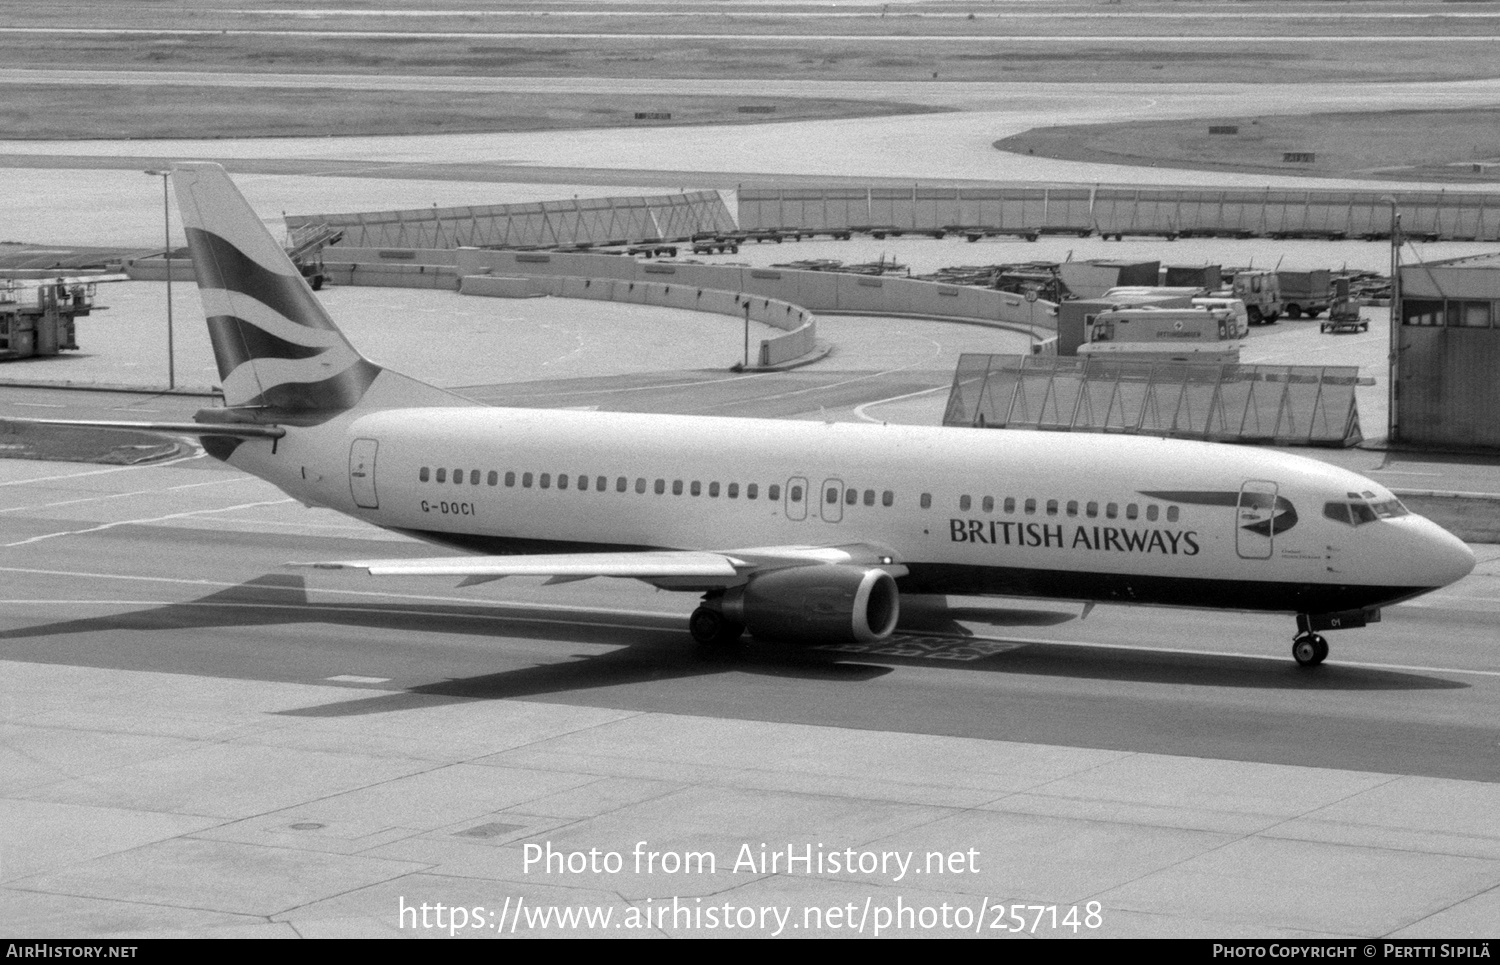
<point x="1394" y="358"/>
<point x="166" y="228"/>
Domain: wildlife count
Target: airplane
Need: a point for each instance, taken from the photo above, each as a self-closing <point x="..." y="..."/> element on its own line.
<point x="801" y="531"/>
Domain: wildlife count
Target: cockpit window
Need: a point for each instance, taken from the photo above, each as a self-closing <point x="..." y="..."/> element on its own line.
<point x="1362" y="508"/>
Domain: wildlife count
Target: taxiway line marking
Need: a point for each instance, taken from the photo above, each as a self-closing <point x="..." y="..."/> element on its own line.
<point x="154" y="519"/>
<point x="137" y="492"/>
<point x="102" y="472"/>
<point x="859" y="410"/>
<point x="411" y="611"/>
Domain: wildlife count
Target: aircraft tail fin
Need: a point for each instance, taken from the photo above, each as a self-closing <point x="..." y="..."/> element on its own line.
<point x="275" y="345"/>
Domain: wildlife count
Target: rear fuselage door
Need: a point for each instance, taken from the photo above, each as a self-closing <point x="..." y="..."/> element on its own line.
<point x="831" y="505"/>
<point x="1255" y="520"/>
<point x="362" y="473"/>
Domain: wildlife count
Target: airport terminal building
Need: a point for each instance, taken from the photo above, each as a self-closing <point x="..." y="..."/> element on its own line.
<point x="1448" y="354"/>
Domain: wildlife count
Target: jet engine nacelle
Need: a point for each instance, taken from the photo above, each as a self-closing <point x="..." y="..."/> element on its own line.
<point x="818" y="604"/>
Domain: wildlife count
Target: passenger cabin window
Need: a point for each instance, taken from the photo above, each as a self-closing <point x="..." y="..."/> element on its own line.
<point x="422" y="474"/>
<point x="794" y="494"/>
<point x="442" y="475"/>
<point x="988" y="505"/>
<point x="1091" y="510"/>
<point x="1031" y="507"/>
<point x="1171" y="514"/>
<point x="887" y="498"/>
<point x="1112" y="511"/>
<point x="869" y="497"/>
<point x="1152" y="512"/>
<point x="1132" y="511"/>
<point x="963" y="503"/>
<point x="713" y="490"/>
<point x="927" y="500"/>
<point x="493" y="479"/>
<point x="526" y="480"/>
<point x="733" y="491"/>
<point x="832" y="496"/>
<point x="851" y="496"/>
<point x="753" y="489"/>
<point x="1051" y="507"/>
<point x="661" y="487"/>
<point x="1010" y="504"/>
<point x="510" y="479"/>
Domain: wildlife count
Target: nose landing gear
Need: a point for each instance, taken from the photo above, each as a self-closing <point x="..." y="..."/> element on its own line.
<point x="1309" y="649"/>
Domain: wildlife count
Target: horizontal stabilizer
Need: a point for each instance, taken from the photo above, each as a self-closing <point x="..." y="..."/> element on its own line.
<point x="238" y="430"/>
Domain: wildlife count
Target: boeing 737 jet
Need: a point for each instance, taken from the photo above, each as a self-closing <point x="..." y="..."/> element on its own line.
<point x="793" y="530"/>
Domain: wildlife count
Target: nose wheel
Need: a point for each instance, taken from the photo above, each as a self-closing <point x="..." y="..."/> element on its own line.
<point x="1309" y="649"/>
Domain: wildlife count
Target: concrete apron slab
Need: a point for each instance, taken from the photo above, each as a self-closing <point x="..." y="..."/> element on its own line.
<point x="216" y="812"/>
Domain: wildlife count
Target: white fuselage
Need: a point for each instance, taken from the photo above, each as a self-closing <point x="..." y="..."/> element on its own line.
<point x="1103" y="517"/>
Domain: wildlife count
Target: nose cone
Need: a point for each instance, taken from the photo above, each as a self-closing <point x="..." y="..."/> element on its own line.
<point x="1442" y="558"/>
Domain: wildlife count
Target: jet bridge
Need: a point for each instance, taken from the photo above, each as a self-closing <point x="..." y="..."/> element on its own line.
<point x="1286" y="405"/>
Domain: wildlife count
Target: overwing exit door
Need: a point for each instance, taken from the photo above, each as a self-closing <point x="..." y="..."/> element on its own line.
<point x="831" y="506"/>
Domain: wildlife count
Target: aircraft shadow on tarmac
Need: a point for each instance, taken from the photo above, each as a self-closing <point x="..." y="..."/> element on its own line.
<point x="653" y="649"/>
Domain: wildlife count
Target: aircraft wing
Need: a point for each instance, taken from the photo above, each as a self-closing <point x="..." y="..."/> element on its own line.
<point x="669" y="569"/>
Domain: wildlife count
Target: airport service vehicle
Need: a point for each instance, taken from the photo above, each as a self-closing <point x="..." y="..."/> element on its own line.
<point x="1261" y="292"/>
<point x="1183" y="297"/>
<point x="1305" y="292"/>
<point x="1163" y="334"/>
<point x="1236" y="309"/>
<point x="1344" y="314"/>
<point x="805" y="531"/>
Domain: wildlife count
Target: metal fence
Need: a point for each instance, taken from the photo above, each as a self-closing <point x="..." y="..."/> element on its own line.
<point x="1115" y="209"/>
<point x="1290" y="405"/>
<point x="590" y="221"/>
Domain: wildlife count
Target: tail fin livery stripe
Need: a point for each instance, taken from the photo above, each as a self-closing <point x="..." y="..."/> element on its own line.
<point x="218" y="303"/>
<point x="334" y="394"/>
<point x="243" y="341"/>
<point x="226" y="267"/>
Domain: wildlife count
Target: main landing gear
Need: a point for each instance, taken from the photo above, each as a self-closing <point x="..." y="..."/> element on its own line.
<point x="1309" y="649"/>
